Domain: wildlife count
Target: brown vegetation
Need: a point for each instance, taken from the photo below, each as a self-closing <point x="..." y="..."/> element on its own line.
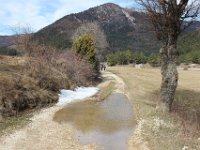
<point x="78" y="68"/>
<point x="35" y="80"/>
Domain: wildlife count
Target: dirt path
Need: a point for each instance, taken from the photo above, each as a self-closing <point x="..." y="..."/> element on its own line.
<point x="135" y="141"/>
<point x="43" y="133"/>
<point x="119" y="83"/>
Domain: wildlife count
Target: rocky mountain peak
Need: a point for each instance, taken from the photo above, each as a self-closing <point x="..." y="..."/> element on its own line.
<point x="109" y="6"/>
<point x="103" y="12"/>
<point x="124" y="28"/>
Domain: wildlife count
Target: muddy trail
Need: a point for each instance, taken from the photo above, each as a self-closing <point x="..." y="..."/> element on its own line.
<point x="108" y="124"/>
<point x="83" y="125"/>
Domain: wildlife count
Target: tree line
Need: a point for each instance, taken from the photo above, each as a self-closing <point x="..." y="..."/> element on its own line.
<point x="128" y="56"/>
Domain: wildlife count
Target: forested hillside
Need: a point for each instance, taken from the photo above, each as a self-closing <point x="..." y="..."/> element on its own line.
<point x="189" y="47"/>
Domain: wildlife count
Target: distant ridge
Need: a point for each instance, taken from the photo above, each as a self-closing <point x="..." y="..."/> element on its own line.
<point x="6" y="40"/>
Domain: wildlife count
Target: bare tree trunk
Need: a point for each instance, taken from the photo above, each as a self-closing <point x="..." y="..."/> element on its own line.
<point x="1" y="114"/>
<point x="1" y="118"/>
<point x="169" y="73"/>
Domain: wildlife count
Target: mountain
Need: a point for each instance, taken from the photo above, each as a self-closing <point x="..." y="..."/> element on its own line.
<point x="124" y="28"/>
<point x="6" y="40"/>
<point x="195" y="26"/>
<point x="189" y="43"/>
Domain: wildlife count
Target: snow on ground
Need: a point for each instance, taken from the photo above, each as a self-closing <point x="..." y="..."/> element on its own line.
<point x="68" y="96"/>
<point x="132" y="19"/>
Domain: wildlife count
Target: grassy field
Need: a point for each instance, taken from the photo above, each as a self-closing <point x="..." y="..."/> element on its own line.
<point x="175" y="131"/>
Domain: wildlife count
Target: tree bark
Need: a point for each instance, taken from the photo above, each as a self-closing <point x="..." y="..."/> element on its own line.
<point x="1" y="118"/>
<point x="169" y="74"/>
<point x="1" y="114"/>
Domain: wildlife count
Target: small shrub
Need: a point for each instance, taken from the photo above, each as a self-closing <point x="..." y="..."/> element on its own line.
<point x="140" y="58"/>
<point x="78" y="68"/>
<point x="126" y="57"/>
<point x="112" y="59"/>
<point x="84" y="46"/>
<point x="8" y="51"/>
<point x="191" y="57"/>
<point x="154" y="60"/>
<point x="23" y="93"/>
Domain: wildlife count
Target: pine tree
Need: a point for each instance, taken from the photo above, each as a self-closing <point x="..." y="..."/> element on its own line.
<point x="84" y="45"/>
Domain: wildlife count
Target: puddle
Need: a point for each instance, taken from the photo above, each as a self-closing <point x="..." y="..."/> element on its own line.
<point x="108" y="124"/>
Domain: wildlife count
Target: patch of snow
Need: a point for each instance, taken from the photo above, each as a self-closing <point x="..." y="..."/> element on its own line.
<point x="77" y="19"/>
<point x="132" y="19"/>
<point x="68" y="96"/>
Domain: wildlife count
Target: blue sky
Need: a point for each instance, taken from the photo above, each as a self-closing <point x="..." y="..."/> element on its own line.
<point x="39" y="13"/>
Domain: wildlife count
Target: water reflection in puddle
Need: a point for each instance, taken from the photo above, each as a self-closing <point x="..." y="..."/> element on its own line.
<point x="108" y="124"/>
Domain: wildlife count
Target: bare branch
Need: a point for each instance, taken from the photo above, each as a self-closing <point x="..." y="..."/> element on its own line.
<point x="170" y="17"/>
<point x="94" y="29"/>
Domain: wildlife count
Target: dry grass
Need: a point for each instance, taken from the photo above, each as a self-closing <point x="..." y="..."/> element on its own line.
<point x="21" y="90"/>
<point x="12" y="123"/>
<point x="164" y="131"/>
<point x="106" y="91"/>
<point x="35" y="80"/>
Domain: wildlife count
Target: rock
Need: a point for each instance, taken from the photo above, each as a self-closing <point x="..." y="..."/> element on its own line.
<point x="139" y="66"/>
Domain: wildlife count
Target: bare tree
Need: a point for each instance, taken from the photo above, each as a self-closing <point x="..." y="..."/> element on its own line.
<point x="169" y="18"/>
<point x="94" y="29"/>
<point x="22" y="40"/>
<point x="78" y="68"/>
